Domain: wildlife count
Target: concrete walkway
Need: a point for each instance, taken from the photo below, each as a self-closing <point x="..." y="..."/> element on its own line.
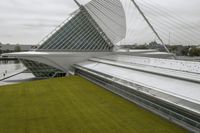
<point x="9" y="70"/>
<point x="18" y="78"/>
<point x="11" y="74"/>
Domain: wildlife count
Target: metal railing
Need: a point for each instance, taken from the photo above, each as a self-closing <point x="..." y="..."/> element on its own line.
<point x="118" y="89"/>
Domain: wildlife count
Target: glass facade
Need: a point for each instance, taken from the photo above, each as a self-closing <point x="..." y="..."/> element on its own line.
<point x="94" y="27"/>
<point x="79" y="34"/>
<point x="42" y="70"/>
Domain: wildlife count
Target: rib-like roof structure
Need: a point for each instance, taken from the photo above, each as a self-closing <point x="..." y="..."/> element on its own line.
<point x="110" y="16"/>
<point x="96" y="26"/>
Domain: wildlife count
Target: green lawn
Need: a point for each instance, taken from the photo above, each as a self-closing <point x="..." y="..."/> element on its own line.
<point x="73" y="105"/>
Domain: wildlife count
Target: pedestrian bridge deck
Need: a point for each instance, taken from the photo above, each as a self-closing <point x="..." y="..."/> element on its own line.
<point x="177" y="86"/>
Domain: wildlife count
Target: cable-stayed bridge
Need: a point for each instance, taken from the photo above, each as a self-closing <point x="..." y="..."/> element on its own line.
<point x="173" y="25"/>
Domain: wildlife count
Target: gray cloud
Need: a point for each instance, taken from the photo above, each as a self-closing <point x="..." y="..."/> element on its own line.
<point x="28" y="21"/>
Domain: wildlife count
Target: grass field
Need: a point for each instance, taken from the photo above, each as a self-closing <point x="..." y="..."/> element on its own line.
<point x="73" y="105"/>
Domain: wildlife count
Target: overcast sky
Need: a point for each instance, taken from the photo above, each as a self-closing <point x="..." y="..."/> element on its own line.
<point x="28" y="21"/>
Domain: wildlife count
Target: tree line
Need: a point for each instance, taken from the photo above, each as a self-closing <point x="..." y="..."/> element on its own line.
<point x="179" y="50"/>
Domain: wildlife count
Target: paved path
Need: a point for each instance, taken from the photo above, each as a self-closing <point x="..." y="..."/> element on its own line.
<point x="9" y="70"/>
<point x="22" y="77"/>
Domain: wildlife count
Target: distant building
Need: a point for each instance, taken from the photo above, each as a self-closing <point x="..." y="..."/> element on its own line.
<point x="12" y="47"/>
